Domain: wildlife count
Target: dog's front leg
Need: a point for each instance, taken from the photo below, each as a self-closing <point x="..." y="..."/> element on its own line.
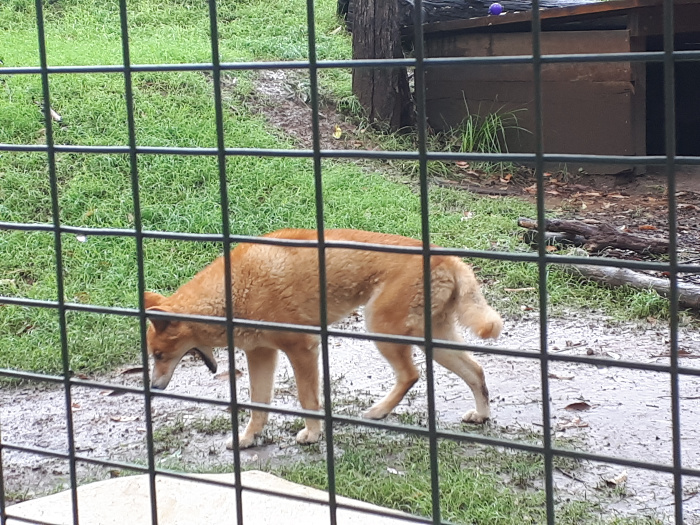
<point x="303" y="355"/>
<point x="262" y="363"/>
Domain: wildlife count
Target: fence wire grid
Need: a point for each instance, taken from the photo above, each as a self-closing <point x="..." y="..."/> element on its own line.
<point x="668" y="57"/>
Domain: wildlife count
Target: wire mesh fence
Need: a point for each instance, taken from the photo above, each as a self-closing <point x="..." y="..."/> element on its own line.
<point x="678" y="469"/>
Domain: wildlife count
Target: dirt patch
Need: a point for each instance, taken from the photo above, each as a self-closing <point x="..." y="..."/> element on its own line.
<point x="627" y="413"/>
<point x="281" y="96"/>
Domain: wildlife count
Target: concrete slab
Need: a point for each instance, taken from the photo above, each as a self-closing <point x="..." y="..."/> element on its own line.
<point x="126" y="500"/>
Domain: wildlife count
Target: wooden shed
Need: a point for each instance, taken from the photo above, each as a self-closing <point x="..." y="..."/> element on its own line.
<point x="588" y="108"/>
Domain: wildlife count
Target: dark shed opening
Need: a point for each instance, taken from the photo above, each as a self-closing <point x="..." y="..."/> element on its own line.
<point x="687" y="99"/>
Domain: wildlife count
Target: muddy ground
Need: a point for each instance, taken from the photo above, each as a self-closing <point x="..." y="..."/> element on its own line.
<point x="625" y="413"/>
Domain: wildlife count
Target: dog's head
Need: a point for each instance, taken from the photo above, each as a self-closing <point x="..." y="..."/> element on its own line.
<point x="169" y="340"/>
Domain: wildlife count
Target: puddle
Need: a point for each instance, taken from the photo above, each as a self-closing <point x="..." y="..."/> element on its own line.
<point x="627" y="413"/>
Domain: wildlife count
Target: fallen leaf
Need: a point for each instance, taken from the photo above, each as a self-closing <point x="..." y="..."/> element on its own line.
<point x="592" y="194"/>
<point x="612" y="480"/>
<point x="55" y="115"/>
<point x="337" y="30"/>
<point x="681" y="353"/>
<point x="553" y="192"/>
<point x="133" y="370"/>
<point x="25" y="329"/>
<point x="531" y="189"/>
<point x="82" y="297"/>
<point x="525" y="308"/>
<point x="583" y="205"/>
<point x="225" y="375"/>
<point x="528" y="289"/>
<point x="579" y="405"/>
<point x="112" y="393"/>
<point x="613" y="355"/>
<point x="338" y="132"/>
<point x="617" y="196"/>
<point x="576" y="422"/>
<point x="462" y="164"/>
<point x="123" y="419"/>
<point x="81" y="238"/>
<point x="75" y="406"/>
<point x="648" y="227"/>
<point x="561" y="376"/>
<point x="506" y="178"/>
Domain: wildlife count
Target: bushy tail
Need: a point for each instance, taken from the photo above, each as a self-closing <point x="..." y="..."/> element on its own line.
<point x="472" y="309"/>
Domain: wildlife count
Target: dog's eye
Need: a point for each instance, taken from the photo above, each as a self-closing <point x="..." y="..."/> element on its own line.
<point x="158" y="356"/>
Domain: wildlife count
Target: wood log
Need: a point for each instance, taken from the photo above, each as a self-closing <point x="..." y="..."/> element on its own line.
<point x="601" y="236"/>
<point x="383" y="92"/>
<point x="688" y="294"/>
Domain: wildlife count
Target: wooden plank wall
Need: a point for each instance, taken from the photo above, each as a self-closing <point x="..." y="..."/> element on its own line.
<point x="588" y="108"/>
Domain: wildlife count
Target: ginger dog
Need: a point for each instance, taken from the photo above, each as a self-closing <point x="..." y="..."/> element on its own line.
<point x="281" y="284"/>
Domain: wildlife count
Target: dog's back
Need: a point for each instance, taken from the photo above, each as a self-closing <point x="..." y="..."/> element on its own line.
<point x="281" y="284"/>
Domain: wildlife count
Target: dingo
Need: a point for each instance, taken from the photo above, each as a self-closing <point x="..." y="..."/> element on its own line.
<point x="281" y="284"/>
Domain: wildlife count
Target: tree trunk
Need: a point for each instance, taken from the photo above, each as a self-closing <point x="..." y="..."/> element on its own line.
<point x="383" y="92"/>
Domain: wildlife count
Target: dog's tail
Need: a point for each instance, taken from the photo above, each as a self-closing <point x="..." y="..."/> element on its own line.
<point x="471" y="307"/>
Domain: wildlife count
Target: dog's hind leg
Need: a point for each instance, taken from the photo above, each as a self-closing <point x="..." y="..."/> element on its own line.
<point x="401" y="359"/>
<point x="303" y="355"/>
<point x="463" y="364"/>
<point x="386" y="313"/>
<point x="262" y="363"/>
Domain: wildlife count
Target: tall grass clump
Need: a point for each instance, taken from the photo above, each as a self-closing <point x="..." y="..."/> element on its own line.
<point x="484" y="133"/>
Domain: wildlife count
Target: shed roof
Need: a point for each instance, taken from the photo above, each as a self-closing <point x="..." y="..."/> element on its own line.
<point x="599" y="15"/>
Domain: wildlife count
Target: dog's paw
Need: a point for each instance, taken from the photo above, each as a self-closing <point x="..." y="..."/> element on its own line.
<point x="243" y="442"/>
<point x="474" y="417"/>
<point x="376" y="412"/>
<point x="306" y="436"/>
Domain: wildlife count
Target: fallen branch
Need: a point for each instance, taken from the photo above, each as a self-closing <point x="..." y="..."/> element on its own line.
<point x="688" y="294"/>
<point x="482" y="190"/>
<point x="599" y="237"/>
<point x="531" y="237"/>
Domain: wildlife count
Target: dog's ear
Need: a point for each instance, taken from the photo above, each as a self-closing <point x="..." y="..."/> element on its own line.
<point x="151" y="299"/>
<point x="158" y="324"/>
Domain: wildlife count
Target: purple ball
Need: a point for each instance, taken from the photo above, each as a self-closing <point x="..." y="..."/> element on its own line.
<point x="495" y="9"/>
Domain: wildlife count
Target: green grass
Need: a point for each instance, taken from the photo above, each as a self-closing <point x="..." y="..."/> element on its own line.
<point x="478" y="484"/>
<point x="181" y="193"/>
